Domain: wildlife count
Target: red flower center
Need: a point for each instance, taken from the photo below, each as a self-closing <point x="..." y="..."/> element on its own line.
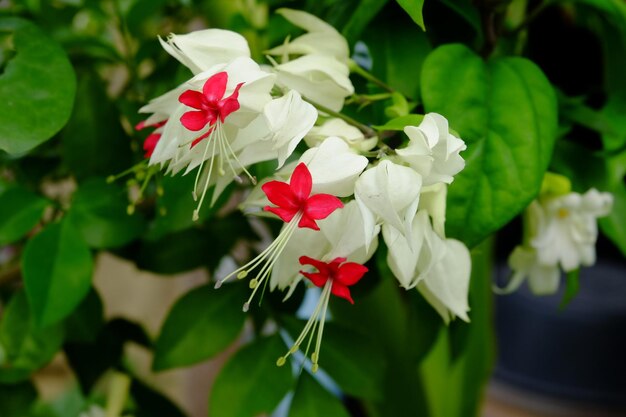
<point x="210" y="105"/>
<point x="342" y="274"/>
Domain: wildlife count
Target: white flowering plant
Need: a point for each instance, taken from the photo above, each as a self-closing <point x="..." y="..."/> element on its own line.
<point x="336" y="172"/>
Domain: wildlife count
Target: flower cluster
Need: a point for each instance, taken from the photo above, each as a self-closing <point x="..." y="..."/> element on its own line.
<point x="561" y="233"/>
<point x="337" y="197"/>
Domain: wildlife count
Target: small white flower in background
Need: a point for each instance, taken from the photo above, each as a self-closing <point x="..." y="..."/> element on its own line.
<point x="562" y="233"/>
<point x="433" y="151"/>
<point x="320" y="72"/>
<point x="339" y="128"/>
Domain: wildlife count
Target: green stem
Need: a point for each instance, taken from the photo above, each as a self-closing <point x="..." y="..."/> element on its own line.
<point x="367" y="131"/>
<point x="118" y="393"/>
<point x="354" y="67"/>
<point x="529" y="19"/>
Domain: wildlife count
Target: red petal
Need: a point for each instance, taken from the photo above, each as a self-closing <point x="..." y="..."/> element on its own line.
<point x="192" y="98"/>
<point x="229" y="104"/>
<point x="150" y="143"/>
<point x="308" y="222"/>
<point x="280" y="193"/>
<point x="195" y="120"/>
<point x="350" y="273"/>
<point x="301" y="182"/>
<point x="215" y="87"/>
<point x="321" y="266"/>
<point x="284" y="213"/>
<point x="341" y="291"/>
<point x="320" y="206"/>
<point x="140" y="125"/>
<point x="316" y="278"/>
<point x="201" y="137"/>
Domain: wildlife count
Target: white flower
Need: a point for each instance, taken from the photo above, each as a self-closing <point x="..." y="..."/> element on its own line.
<point x="542" y="279"/>
<point x="202" y="49"/>
<point x="339" y="128"/>
<point x="439" y="268"/>
<point x="433" y="151"/>
<point x="321" y="79"/>
<point x="389" y="193"/>
<point x="341" y="235"/>
<point x="567" y="228"/>
<point x="211" y="109"/>
<point x="321" y="39"/>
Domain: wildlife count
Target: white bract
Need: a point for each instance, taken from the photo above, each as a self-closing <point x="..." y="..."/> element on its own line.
<point x="432" y="150"/>
<point x="341" y="235"/>
<point x="542" y="279"/>
<point x="389" y="193"/>
<point x="348" y="133"/>
<point x="202" y="49"/>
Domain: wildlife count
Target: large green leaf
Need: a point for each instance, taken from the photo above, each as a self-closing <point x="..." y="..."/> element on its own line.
<point x="84" y="324"/>
<point x="311" y="400"/>
<point x="57" y="269"/>
<point x="37" y="88"/>
<point x="250" y="383"/>
<point x="20" y="211"/>
<point x="94" y="143"/>
<point x="26" y="348"/>
<point x="99" y="213"/>
<point x="201" y="324"/>
<point x="505" y="110"/>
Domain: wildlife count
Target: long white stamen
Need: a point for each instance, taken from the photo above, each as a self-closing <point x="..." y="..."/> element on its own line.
<point x="196" y="212"/>
<point x="311" y="329"/>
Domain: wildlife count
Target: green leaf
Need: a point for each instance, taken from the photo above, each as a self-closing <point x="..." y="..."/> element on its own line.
<point x="572" y="285"/>
<point x="151" y="403"/>
<point x="364" y="12"/>
<point x="57" y="269"/>
<point x="614" y="225"/>
<point x="26" y="347"/>
<point x="84" y="324"/>
<point x="20" y="211"/>
<point x="16" y="400"/>
<point x="311" y="400"/>
<point x="250" y="383"/>
<point x="94" y="143"/>
<point x="399" y="123"/>
<point x="414" y="9"/>
<point x="37" y="88"/>
<point x="398" y="49"/>
<point x="505" y="110"/>
<point x="201" y="324"/>
<point x="99" y="213"/>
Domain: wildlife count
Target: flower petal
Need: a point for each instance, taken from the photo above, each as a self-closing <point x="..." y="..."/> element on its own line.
<point x="350" y="273"/>
<point x="308" y="222"/>
<point x="195" y="120"/>
<point x="316" y="278"/>
<point x="280" y="193"/>
<point x="321" y="266"/>
<point x="192" y="98"/>
<point x="215" y="87"/>
<point x="285" y="214"/>
<point x="341" y="291"/>
<point x="301" y="182"/>
<point x="229" y="104"/>
<point x="320" y="206"/>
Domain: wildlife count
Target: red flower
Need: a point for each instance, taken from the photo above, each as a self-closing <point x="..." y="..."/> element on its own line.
<point x="294" y="198"/>
<point x="341" y="273"/>
<point x="210" y="104"/>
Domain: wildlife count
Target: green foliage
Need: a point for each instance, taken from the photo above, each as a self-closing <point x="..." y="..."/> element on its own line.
<point x="507" y="151"/>
<point x="311" y="400"/>
<point x="26" y="347"/>
<point x="20" y="211"/>
<point x="37" y="87"/>
<point x="98" y="212"/>
<point x="204" y="322"/>
<point x="251" y="383"/>
<point x="57" y="269"/>
<point x="16" y="400"/>
<point x="414" y="9"/>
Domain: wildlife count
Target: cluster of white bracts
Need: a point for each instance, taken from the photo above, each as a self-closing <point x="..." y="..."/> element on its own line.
<point x="401" y="195"/>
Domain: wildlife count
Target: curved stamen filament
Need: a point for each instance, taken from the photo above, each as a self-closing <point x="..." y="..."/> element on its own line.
<point x="269" y="256"/>
<point x="313" y="326"/>
<point x="196" y="212"/>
